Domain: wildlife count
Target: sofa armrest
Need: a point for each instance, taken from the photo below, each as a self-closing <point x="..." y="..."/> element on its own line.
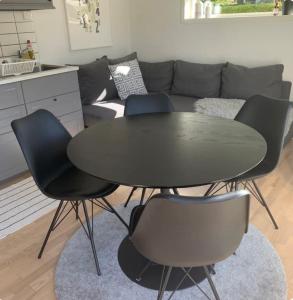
<point x="286" y="89"/>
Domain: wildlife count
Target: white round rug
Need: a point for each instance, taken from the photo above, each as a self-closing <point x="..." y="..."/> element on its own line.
<point x="254" y="273"/>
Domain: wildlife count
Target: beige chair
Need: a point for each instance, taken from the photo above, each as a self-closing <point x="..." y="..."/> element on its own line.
<point x="187" y="232"/>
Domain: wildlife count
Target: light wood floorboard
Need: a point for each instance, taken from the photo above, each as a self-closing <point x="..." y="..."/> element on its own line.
<point x="24" y="277"/>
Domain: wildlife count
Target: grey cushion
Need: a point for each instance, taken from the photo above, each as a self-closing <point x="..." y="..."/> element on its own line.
<point x="183" y="103"/>
<point x="286" y="89"/>
<point x="105" y="110"/>
<point x="157" y="77"/>
<point x="95" y="82"/>
<point x="128" y="79"/>
<point x="119" y="60"/>
<point x="242" y="82"/>
<point x="197" y="80"/>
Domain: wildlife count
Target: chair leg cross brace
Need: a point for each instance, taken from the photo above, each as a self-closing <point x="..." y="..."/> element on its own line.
<point x="165" y="280"/>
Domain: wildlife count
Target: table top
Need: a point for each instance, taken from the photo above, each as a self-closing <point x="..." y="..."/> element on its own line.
<point x="167" y="150"/>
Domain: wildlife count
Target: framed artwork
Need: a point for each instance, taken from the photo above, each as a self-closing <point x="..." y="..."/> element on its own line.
<point x="89" y="23"/>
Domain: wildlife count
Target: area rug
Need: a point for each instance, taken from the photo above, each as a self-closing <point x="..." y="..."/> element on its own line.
<point x="254" y="273"/>
<point x="21" y="204"/>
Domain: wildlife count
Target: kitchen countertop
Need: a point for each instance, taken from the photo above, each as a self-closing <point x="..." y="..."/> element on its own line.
<point x="34" y="75"/>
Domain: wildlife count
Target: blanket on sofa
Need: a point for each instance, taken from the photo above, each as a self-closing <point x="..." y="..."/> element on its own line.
<point x="228" y="108"/>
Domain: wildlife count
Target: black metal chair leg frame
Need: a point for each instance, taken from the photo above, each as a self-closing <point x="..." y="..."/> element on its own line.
<point x="214" y="188"/>
<point x="111" y="208"/>
<point x="211" y="283"/>
<point x="131" y="193"/>
<point x="175" y="191"/>
<point x="130" y="196"/>
<point x="91" y="237"/>
<point x="142" y="196"/>
<point x="76" y="212"/>
<point x="57" y="220"/>
<point x="253" y="188"/>
<point x="164" y="281"/>
<point x="263" y="202"/>
<point x="51" y="228"/>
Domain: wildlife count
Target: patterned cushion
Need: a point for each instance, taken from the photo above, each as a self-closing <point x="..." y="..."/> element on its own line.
<point x="128" y="79"/>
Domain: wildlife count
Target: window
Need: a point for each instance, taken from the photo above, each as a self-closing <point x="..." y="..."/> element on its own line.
<point x="197" y="9"/>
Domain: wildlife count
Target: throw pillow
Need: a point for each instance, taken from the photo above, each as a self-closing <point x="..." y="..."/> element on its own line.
<point x="242" y="82"/>
<point x="96" y="83"/>
<point x="158" y="77"/>
<point x="128" y="79"/>
<point x="197" y="80"/>
<point x="123" y="59"/>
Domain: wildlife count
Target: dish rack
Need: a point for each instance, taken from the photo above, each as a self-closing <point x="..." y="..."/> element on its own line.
<point x="17" y="67"/>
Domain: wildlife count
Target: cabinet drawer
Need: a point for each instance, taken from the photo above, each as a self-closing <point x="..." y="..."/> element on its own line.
<point x="60" y="105"/>
<point x="73" y="122"/>
<point x="8" y="115"/>
<point x="12" y="161"/>
<point x="49" y="86"/>
<point x="10" y="95"/>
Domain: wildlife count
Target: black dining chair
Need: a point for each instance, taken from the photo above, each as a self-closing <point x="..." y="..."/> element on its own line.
<point x="185" y="232"/>
<point x="146" y="104"/>
<point x="43" y="140"/>
<point x="268" y="116"/>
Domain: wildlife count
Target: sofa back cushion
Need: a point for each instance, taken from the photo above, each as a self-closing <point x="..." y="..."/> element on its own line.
<point x="96" y="83"/>
<point x="116" y="61"/>
<point x="157" y="77"/>
<point x="242" y="82"/>
<point x="197" y="80"/>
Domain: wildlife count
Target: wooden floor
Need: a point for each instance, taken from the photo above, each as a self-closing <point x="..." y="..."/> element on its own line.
<point x="23" y="276"/>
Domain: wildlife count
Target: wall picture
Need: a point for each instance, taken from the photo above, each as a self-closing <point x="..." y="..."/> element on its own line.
<point x="89" y="23"/>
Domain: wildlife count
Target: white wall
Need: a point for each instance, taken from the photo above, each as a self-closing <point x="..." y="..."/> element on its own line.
<point x="158" y="33"/>
<point x="53" y="40"/>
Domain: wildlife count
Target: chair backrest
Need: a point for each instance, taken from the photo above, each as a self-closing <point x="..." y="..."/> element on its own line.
<point x="268" y="116"/>
<point x="43" y="141"/>
<point x="144" y="104"/>
<point x="188" y="232"/>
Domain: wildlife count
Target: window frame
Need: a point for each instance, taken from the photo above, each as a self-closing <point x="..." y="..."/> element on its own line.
<point x="224" y="17"/>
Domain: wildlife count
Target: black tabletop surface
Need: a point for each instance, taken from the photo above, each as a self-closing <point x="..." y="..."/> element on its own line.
<point x="167" y="150"/>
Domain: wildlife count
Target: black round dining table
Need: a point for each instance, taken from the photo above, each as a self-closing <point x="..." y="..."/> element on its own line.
<point x="165" y="150"/>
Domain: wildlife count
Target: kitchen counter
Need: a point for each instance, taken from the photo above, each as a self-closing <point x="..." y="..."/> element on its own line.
<point x="37" y="74"/>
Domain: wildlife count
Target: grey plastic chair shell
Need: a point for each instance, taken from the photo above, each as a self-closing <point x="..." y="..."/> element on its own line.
<point x="143" y="104"/>
<point x="183" y="231"/>
<point x="268" y="116"/>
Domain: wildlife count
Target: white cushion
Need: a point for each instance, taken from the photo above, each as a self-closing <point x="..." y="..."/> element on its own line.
<point x="128" y="79"/>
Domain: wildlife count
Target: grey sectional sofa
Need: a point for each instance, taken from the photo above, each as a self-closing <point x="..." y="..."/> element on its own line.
<point x="184" y="82"/>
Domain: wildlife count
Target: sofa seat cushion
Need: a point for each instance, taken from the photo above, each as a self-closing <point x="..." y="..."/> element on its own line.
<point x="157" y="77"/>
<point x="229" y="108"/>
<point x="183" y="103"/>
<point x="197" y="80"/>
<point x="105" y="110"/>
<point x="242" y="82"/>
